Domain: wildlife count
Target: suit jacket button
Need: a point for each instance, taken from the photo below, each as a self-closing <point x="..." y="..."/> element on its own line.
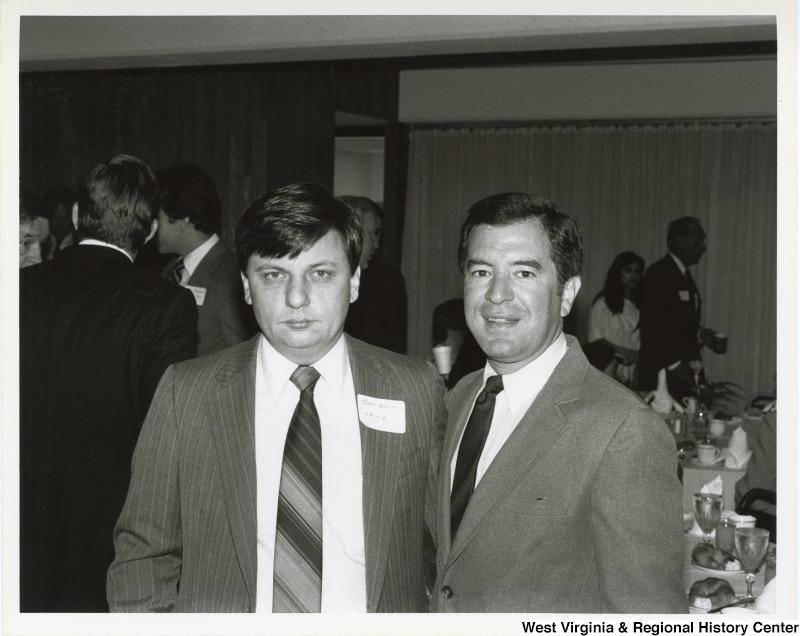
<point x="446" y="592"/>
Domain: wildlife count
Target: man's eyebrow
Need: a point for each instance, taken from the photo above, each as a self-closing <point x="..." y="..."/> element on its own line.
<point x="475" y="261"/>
<point x="531" y="262"/>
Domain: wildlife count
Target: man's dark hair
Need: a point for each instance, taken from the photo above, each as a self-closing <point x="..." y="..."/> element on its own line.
<point x="362" y="205"/>
<point x="679" y="228"/>
<point x="117" y="202"/>
<point x="289" y="220"/>
<point x="55" y="196"/>
<point x="509" y="208"/>
<point x="185" y="191"/>
<point x="599" y="354"/>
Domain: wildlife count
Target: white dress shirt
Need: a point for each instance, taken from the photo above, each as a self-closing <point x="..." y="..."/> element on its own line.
<point x="193" y="258"/>
<point x="104" y="244"/>
<point x="519" y="391"/>
<point x="344" y="587"/>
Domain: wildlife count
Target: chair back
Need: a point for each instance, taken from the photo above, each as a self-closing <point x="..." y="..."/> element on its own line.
<point x="761" y="504"/>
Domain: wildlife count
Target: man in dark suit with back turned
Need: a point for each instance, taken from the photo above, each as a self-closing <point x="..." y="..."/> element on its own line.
<point x="97" y="334"/>
<point x="188" y="225"/>
<point x="558" y="488"/>
<point x="670" y="312"/>
<point x="300" y="447"/>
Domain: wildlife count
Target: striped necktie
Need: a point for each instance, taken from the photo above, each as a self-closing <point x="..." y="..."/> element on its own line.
<point x="178" y="271"/>
<point x="297" y="579"/>
<point x="470" y="449"/>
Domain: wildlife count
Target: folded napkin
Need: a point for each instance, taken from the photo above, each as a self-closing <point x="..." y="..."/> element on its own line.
<point x="660" y="400"/>
<point x="714" y="487"/>
<point x="738" y="452"/>
<point x="765" y="604"/>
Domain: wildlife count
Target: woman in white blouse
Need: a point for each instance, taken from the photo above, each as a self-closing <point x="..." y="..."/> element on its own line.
<point x="614" y="317"/>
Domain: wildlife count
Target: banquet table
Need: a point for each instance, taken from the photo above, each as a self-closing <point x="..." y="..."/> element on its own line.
<point x="695" y="476"/>
<point x="692" y="573"/>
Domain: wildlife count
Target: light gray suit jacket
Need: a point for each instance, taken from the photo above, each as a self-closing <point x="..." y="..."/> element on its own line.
<point x="579" y="512"/>
<point x="186" y="538"/>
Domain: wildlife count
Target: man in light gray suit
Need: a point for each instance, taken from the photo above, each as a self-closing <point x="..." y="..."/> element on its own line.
<point x="558" y="488"/>
<point x="287" y="473"/>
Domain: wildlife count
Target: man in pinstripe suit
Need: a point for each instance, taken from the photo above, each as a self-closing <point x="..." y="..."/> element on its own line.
<point x="202" y="528"/>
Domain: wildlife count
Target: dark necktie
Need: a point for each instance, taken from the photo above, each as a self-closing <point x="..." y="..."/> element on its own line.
<point x="178" y="270"/>
<point x="470" y="449"/>
<point x="297" y="579"/>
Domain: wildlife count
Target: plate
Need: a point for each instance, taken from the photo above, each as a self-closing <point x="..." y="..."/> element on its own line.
<point x="701" y="610"/>
<point x="705" y="569"/>
<point x="696" y="462"/>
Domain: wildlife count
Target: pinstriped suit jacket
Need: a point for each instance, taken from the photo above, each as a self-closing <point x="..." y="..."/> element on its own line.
<point x="186" y="538"/>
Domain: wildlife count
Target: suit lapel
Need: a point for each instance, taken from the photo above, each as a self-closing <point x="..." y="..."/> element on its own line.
<point x="232" y="413"/>
<point x="540" y="427"/>
<point x="206" y="266"/>
<point x="380" y="456"/>
<point x="458" y="414"/>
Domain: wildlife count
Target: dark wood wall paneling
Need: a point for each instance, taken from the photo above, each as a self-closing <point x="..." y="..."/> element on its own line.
<point x="365" y="88"/>
<point x="250" y="129"/>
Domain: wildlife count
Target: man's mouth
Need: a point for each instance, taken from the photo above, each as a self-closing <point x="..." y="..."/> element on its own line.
<point x="498" y="320"/>
<point x="298" y="324"/>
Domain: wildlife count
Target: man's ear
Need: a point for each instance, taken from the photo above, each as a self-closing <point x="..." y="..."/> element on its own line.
<point x="355" y="283"/>
<point x="75" y="215"/>
<point x="246" y="285"/>
<point x="153" y="230"/>
<point x="571" y="289"/>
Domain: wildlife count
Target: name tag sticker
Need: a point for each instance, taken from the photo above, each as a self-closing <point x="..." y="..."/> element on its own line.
<point x="199" y="294"/>
<point x="382" y="415"/>
<point x="684" y="295"/>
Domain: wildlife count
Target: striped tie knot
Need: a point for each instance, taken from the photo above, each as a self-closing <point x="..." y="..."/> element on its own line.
<point x="178" y="271"/>
<point x="304" y="377"/>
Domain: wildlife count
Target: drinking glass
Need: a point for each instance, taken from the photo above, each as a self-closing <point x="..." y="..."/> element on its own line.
<point x="700" y="427"/>
<point x="751" y="544"/>
<point x="707" y="511"/>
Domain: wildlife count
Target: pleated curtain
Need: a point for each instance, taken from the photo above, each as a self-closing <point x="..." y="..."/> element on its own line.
<point x="623" y="184"/>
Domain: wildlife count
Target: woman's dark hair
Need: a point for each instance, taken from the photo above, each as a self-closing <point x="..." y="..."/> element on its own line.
<point x="613" y="292"/>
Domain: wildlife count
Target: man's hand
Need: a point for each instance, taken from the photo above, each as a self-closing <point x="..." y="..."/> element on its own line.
<point x="706" y="336"/>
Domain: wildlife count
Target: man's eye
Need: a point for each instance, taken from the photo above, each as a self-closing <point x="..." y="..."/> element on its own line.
<point x="526" y="274"/>
<point x="479" y="273"/>
<point x="321" y="274"/>
<point x="271" y="275"/>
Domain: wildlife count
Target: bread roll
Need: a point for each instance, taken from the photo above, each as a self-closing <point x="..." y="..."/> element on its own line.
<point x="708" y="556"/>
<point x="711" y="593"/>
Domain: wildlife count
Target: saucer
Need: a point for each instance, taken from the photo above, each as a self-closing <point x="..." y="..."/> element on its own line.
<point x="696" y="462"/>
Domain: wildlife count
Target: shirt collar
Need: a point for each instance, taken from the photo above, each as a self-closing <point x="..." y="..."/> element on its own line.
<point x="332" y="367"/>
<point x="193" y="258"/>
<point x="104" y="244"/>
<point x="529" y="380"/>
<point x="679" y="263"/>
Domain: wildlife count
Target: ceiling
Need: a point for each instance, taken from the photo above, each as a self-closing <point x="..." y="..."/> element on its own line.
<point x="62" y="43"/>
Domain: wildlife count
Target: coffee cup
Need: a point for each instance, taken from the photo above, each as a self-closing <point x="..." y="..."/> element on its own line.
<point x="719" y="342"/>
<point x="716" y="428"/>
<point x="691" y="404"/>
<point x="707" y="453"/>
<point x="442" y="356"/>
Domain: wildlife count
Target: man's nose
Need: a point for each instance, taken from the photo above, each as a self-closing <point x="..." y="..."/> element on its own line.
<point x="296" y="294"/>
<point x="499" y="290"/>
